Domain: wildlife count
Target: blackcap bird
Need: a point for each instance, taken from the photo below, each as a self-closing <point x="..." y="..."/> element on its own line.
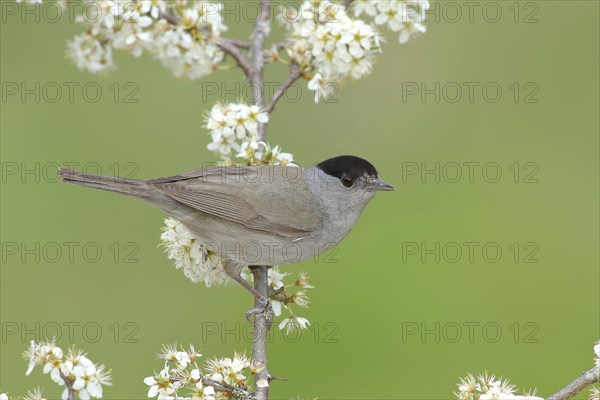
<point x="258" y="215"/>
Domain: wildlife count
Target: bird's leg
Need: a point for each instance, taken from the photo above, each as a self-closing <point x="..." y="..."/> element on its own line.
<point x="234" y="270"/>
<point x="262" y="304"/>
<point x="248" y="287"/>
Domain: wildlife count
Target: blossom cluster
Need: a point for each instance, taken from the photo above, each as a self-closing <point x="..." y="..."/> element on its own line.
<point x="181" y="34"/>
<point x="282" y="298"/>
<point x="404" y="16"/>
<point x="183" y="375"/>
<point x="199" y="264"/>
<point x="327" y="43"/>
<point x="35" y="394"/>
<point x="488" y="387"/>
<point x="74" y="370"/>
<point x="233" y="127"/>
<point x="194" y="259"/>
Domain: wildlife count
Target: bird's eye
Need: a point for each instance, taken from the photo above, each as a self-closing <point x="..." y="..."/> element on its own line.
<point x="346" y="181"/>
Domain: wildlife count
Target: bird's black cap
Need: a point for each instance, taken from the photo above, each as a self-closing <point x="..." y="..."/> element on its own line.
<point x="353" y="167"/>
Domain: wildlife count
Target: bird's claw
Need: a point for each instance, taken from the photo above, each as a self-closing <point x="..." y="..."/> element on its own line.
<point x="259" y="308"/>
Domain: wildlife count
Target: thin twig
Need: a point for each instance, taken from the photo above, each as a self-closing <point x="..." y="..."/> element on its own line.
<point x="295" y="74"/>
<point x="69" y="384"/>
<point x="282" y="45"/>
<point x="238" y="393"/>
<point x="229" y="47"/>
<point x="263" y="321"/>
<point x="573" y="388"/>
<point x="169" y="17"/>
<point x="240" y="43"/>
<point x="347" y="3"/>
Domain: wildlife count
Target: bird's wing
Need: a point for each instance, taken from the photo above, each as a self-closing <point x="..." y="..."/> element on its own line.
<point x="266" y="198"/>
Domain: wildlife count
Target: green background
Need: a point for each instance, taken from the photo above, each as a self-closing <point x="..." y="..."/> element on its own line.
<point x="363" y="304"/>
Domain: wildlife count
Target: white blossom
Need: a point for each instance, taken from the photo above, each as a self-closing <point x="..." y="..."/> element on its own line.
<point x="281" y="158"/>
<point x="249" y="149"/>
<point x="293" y="323"/>
<point x="35" y="394"/>
<point x="368" y="7"/>
<point x="88" y="53"/>
<point x="187" y="45"/>
<point x="304" y="281"/>
<point x="228" y="124"/>
<point x="488" y="387"/>
<point x="275" y="280"/>
<point x="186" y="56"/>
<point x="255" y="152"/>
<point x="132" y="37"/>
<point x="331" y="44"/>
<point x="153" y="7"/>
<point x="403" y="16"/>
<point x="300" y="298"/>
<point x="228" y="370"/>
<point x="321" y="87"/>
<point x="198" y="263"/>
<point x="161" y="384"/>
<point x="72" y="370"/>
<point x="191" y="381"/>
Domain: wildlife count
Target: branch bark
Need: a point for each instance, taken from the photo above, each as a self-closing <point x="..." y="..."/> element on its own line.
<point x="262" y="325"/>
<point x="220" y="387"/>
<point x="294" y="75"/>
<point x="282" y="45"/>
<point x="573" y="388"/>
<point x="229" y="47"/>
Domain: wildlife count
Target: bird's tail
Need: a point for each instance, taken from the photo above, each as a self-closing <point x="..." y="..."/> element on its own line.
<point x="128" y="187"/>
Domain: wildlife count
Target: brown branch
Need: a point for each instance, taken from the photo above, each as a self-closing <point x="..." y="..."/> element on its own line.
<point x="262" y="325"/>
<point x="69" y="384"/>
<point x="347" y="3"/>
<point x="238" y="393"/>
<point x="240" y="43"/>
<point x="229" y="47"/>
<point x="573" y="388"/>
<point x="254" y="70"/>
<point x="169" y="17"/>
<point x="295" y="74"/>
<point x="282" y="45"/>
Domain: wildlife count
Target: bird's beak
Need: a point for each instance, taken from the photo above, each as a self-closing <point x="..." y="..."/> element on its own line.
<point x="380" y="186"/>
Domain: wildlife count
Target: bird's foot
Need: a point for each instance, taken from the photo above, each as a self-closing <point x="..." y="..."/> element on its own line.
<point x="260" y="307"/>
